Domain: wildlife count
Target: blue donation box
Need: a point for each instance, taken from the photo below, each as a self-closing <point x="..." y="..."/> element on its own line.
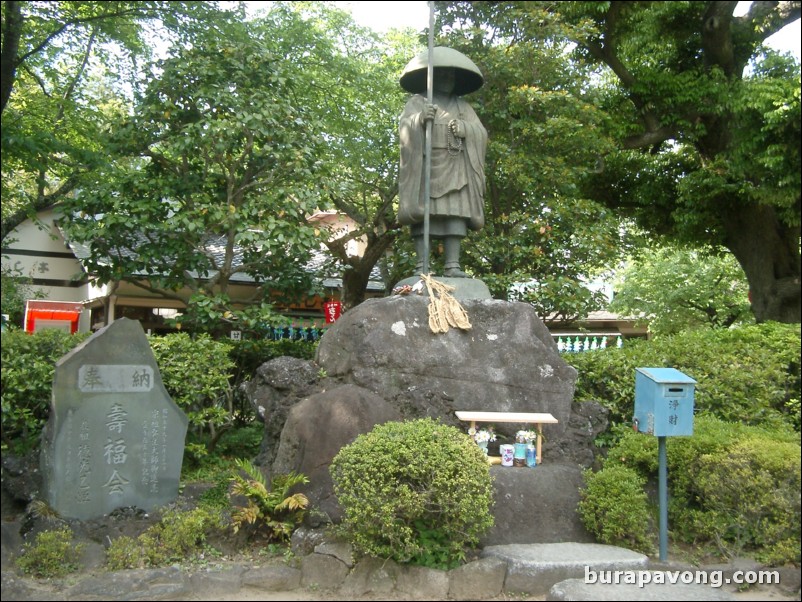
<point x="663" y="402"/>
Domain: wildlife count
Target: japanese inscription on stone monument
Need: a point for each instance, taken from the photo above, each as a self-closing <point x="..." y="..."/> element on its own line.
<point x="114" y="437"/>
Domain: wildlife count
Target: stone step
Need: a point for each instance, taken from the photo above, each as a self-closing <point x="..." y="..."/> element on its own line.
<point x="535" y="568"/>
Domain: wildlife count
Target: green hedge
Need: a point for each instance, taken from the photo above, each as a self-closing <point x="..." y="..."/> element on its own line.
<point x="614" y="507"/>
<point x="199" y="373"/>
<point x="26" y="381"/>
<point x="196" y="373"/>
<point x="749" y="374"/>
<point x="733" y="487"/>
<point x="249" y="354"/>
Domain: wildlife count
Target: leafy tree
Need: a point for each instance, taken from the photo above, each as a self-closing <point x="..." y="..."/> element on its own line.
<point x="348" y="79"/>
<point x="210" y="179"/>
<point x="676" y="288"/>
<point x="705" y="121"/>
<point x="541" y="137"/>
<point x="358" y="91"/>
<point x="337" y="77"/>
<point x="53" y="104"/>
<point x="359" y="94"/>
<point x="357" y="97"/>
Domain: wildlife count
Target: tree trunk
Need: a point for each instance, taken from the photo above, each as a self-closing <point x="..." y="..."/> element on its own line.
<point x="355" y="283"/>
<point x="357" y="275"/>
<point x="768" y="252"/>
<point x="12" y="31"/>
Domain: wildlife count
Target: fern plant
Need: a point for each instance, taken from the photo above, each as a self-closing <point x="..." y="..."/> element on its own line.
<point x="270" y="507"/>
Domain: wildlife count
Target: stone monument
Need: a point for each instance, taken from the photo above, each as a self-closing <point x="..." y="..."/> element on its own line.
<point x="437" y="346"/>
<point x="114" y="438"/>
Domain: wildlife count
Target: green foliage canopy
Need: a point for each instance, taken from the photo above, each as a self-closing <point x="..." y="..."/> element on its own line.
<point x="343" y="80"/>
<point x="356" y="95"/>
<point x="675" y="289"/>
<point x="65" y="68"/>
<point x="544" y="238"/>
<point x="211" y="178"/>
<point x="704" y="120"/>
<point x="649" y="114"/>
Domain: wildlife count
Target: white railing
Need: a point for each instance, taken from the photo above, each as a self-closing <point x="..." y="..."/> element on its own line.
<point x="579" y="343"/>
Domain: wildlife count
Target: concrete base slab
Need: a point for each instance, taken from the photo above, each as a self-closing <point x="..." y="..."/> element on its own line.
<point x="535" y="568"/>
<point x="577" y="589"/>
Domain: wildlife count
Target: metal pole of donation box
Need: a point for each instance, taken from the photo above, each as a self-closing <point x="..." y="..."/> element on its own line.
<point x="663" y="408"/>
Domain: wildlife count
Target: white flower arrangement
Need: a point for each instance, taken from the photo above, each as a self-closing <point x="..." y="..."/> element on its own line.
<point x="482" y="435"/>
<point x="526" y="435"/>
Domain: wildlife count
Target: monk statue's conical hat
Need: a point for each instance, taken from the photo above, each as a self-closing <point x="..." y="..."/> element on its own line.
<point x="468" y="78"/>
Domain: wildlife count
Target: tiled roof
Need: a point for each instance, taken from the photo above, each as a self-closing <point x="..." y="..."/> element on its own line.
<point x="320" y="264"/>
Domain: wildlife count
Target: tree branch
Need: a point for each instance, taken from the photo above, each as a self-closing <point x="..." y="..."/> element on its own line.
<point x="650" y="138"/>
<point x="768" y="18"/>
<point x="81" y="21"/>
<point x="717" y="36"/>
<point x="605" y="51"/>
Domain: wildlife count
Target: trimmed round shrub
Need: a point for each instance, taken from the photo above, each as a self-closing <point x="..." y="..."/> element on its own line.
<point x="733" y="487"/>
<point x="417" y="492"/>
<point x="614" y="507"/>
<point x="752" y="495"/>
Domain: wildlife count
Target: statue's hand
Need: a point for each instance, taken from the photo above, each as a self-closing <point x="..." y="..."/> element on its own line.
<point x="428" y="112"/>
<point x="457" y="127"/>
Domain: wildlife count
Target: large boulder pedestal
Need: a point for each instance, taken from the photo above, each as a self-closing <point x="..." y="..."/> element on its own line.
<point x="382" y="362"/>
<point x="316" y="429"/>
<point x="506" y="362"/>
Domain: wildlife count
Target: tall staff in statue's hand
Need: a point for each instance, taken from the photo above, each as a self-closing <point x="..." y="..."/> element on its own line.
<point x="427" y="158"/>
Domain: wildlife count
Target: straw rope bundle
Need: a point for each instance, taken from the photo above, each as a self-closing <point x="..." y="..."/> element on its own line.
<point x="444" y="310"/>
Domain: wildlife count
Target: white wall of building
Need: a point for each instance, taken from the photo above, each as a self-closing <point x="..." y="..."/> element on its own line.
<point x="39" y="252"/>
